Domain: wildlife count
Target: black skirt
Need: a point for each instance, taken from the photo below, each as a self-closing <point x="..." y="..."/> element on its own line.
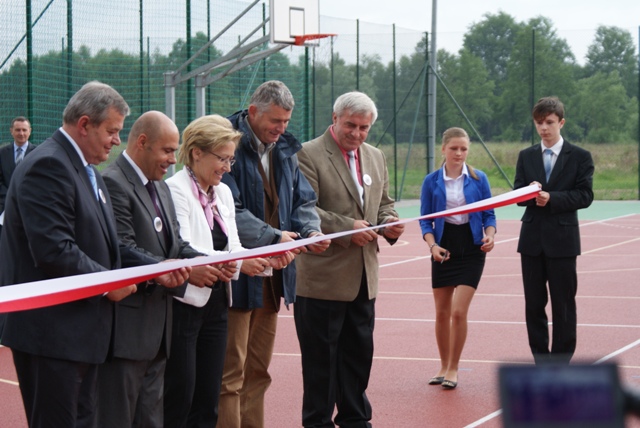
<point x="466" y="260"/>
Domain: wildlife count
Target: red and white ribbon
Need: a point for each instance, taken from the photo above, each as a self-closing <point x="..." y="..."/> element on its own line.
<point x="38" y="294"/>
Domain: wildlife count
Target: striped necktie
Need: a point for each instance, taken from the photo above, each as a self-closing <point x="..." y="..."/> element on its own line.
<point x="19" y="155"/>
<point x="354" y="174"/>
<point x="548" y="157"/>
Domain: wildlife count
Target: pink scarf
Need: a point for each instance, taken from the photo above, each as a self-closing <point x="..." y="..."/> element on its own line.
<point x="207" y="201"/>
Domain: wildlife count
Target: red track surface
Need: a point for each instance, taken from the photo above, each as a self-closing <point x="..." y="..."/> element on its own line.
<point x="406" y="355"/>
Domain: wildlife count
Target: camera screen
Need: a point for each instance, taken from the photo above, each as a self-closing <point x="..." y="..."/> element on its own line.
<point x="561" y="395"/>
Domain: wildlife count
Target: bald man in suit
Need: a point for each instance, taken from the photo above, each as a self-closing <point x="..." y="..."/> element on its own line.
<point x="131" y="382"/>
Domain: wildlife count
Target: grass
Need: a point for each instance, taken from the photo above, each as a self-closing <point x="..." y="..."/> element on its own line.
<point x="615" y="177"/>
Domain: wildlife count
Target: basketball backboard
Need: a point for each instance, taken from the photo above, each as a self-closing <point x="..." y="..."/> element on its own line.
<point x="291" y="18"/>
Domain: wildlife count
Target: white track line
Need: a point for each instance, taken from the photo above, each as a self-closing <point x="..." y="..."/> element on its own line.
<point x="504" y="241"/>
<point x="601" y="360"/>
<point x="10" y="382"/>
<point x="618" y="352"/>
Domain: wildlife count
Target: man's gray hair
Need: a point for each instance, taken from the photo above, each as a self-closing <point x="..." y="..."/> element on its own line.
<point x="94" y="99"/>
<point x="356" y="103"/>
<point x="272" y="92"/>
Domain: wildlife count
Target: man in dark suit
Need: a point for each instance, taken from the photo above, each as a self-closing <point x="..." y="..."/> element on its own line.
<point x="12" y="154"/>
<point x="58" y="223"/>
<point x="336" y="291"/>
<point x="550" y="233"/>
<point x="131" y="383"/>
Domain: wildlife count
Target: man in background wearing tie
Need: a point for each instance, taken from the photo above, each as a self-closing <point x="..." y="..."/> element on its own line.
<point x="550" y="234"/>
<point x="131" y="382"/>
<point x="57" y="224"/>
<point x="336" y="291"/>
<point x="12" y="154"/>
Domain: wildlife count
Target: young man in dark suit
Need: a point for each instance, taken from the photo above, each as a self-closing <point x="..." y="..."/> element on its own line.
<point x="131" y="382"/>
<point x="59" y="222"/>
<point x="550" y="233"/>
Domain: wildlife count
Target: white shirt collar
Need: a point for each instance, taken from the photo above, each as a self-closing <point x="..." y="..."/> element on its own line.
<point x="75" y="146"/>
<point x="136" y="168"/>
<point x="465" y="171"/>
<point x="24" y="146"/>
<point x="556" y="148"/>
<point x="258" y="145"/>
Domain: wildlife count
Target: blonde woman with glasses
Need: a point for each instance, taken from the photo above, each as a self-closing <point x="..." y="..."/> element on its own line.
<point x="206" y="214"/>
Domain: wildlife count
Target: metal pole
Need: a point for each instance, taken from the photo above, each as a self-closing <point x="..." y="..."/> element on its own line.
<point x="29" y="63"/>
<point x="264" y="33"/>
<point x="170" y="95"/>
<point x="427" y="131"/>
<point x="357" y="54"/>
<point x="395" y="118"/>
<point x="332" y="95"/>
<point x="141" y="58"/>
<point x="189" y="48"/>
<point x="533" y="82"/>
<point x="24" y="36"/>
<point x="148" y="72"/>
<point x="313" y="71"/>
<point x="432" y="90"/>
<point x="170" y="104"/>
<point x="69" y="48"/>
<point x="208" y="90"/>
<point x="307" y="82"/>
<point x="200" y="95"/>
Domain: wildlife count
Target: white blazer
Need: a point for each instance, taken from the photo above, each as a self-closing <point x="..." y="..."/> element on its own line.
<point x="195" y="229"/>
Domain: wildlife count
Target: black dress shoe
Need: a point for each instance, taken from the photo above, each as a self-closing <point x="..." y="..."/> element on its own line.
<point x="436" y="380"/>
<point x="449" y="384"/>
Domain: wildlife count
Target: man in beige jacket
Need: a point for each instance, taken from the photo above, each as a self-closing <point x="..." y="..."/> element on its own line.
<point x="336" y="290"/>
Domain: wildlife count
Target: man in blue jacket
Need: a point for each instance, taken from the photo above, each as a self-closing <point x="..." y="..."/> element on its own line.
<point x="274" y="203"/>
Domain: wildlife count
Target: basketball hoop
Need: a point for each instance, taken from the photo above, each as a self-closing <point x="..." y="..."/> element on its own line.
<point x="301" y="40"/>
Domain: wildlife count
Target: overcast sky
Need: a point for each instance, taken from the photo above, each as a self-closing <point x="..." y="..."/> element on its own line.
<point x="574" y="20"/>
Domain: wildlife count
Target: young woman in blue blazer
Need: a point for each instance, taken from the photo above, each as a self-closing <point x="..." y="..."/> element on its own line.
<point x="458" y="246"/>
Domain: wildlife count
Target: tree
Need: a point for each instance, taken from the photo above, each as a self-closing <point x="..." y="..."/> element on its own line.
<point x="541" y="62"/>
<point x="467" y="79"/>
<point x="613" y="50"/>
<point x="493" y="40"/>
<point x="602" y="109"/>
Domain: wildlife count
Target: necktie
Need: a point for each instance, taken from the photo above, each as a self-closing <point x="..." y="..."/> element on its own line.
<point x="161" y="226"/>
<point x="92" y="178"/>
<point x="354" y="175"/>
<point x="19" y="155"/>
<point x="548" y="156"/>
<point x="154" y="197"/>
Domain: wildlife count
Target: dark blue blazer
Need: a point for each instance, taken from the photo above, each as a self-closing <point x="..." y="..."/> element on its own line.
<point x="7" y="166"/>
<point x="554" y="229"/>
<point x="144" y="318"/>
<point x="55" y="227"/>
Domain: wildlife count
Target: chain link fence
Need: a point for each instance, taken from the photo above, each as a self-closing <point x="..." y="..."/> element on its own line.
<point x="131" y="44"/>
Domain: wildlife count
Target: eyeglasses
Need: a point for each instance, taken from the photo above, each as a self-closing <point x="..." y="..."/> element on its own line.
<point x="230" y="160"/>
